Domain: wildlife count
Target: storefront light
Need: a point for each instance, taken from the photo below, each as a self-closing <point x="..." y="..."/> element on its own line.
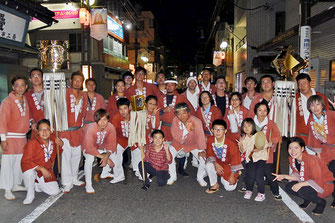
<point x="223" y="45"/>
<point x="145" y="59"/>
<point x="83" y="15"/>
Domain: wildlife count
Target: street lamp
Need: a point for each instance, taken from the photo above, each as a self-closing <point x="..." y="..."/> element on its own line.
<point x="223" y="45"/>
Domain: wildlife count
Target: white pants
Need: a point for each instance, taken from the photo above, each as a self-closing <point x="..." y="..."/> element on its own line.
<point x="172" y="167"/>
<point x="136" y="159"/>
<point x="70" y="163"/>
<point x="11" y="172"/>
<point x="213" y="178"/>
<point x="29" y="177"/>
<point x="117" y="159"/>
<point x="88" y="168"/>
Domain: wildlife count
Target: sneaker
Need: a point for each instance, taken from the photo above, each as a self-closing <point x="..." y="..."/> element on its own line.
<point x="18" y="188"/>
<point x="277" y="196"/>
<point x="106" y="175"/>
<point x="66" y="189"/>
<point x="260" y="197"/>
<point x="114" y="181"/>
<point x="78" y="182"/>
<point x="9" y="195"/>
<point x="243" y="189"/>
<point x="28" y="200"/>
<point x="247" y="194"/>
<point x="171" y="181"/>
<point x="89" y="189"/>
<point x="318" y="210"/>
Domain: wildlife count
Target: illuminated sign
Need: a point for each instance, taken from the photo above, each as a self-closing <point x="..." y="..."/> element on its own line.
<point x="114" y="27"/>
<point x="65" y="14"/>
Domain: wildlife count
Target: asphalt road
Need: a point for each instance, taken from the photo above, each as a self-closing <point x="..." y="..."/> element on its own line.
<point x="185" y="201"/>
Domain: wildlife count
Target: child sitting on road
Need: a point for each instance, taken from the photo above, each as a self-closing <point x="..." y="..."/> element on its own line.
<point x="157" y="158"/>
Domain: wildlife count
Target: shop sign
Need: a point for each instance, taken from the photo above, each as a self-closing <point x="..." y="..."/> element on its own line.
<point x="114" y="27"/>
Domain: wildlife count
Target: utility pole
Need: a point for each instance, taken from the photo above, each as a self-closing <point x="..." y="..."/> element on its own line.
<point x="305" y="32"/>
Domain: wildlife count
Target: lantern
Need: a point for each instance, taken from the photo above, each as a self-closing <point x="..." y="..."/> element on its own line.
<point x="82" y="15"/>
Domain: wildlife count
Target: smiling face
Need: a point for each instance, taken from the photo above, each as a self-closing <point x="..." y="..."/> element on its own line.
<point x="235" y="101"/>
<point x="139" y="76"/>
<point x="151" y="105"/>
<point x="262" y="111"/>
<point x="91" y="86"/>
<point x="103" y="122"/>
<point x="120" y="87"/>
<point x="44" y="131"/>
<point x="251" y="85"/>
<point x="77" y="82"/>
<point x="158" y="139"/>
<point x="316" y="108"/>
<point x="219" y="131"/>
<point x="221" y="84"/>
<point x="205" y="99"/>
<point x="19" y="87"/>
<point x="128" y="80"/>
<point x="192" y="85"/>
<point x="247" y="128"/>
<point x="160" y="79"/>
<point x="295" y="150"/>
<point x="206" y="75"/>
<point x="36" y="78"/>
<point x="170" y="87"/>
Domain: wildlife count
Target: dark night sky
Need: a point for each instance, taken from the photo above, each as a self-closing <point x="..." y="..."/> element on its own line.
<point x="178" y="21"/>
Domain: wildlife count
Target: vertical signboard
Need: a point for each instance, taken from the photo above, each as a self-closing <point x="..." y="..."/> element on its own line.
<point x="305" y="46"/>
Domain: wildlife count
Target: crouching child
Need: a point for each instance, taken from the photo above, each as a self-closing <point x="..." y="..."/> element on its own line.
<point x="157" y="158"/>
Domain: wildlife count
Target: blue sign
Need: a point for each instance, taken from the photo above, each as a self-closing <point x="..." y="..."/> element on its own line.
<point x="114" y="27"/>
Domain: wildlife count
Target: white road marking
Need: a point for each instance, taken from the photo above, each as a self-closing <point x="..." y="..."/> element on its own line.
<point x="44" y="206"/>
<point x="294" y="207"/>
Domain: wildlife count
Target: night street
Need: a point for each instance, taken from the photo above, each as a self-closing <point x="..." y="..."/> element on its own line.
<point x="185" y="201"/>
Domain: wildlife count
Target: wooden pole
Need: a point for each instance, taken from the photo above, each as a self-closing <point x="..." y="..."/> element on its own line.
<point x="58" y="155"/>
<point x="278" y="157"/>
<point x="142" y="159"/>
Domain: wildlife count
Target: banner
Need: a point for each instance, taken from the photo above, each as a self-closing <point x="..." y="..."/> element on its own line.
<point x="305" y="46"/>
<point x="98" y="23"/>
<point x="218" y="57"/>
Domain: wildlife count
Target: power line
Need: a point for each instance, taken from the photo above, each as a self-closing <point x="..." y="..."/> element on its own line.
<point x="266" y="6"/>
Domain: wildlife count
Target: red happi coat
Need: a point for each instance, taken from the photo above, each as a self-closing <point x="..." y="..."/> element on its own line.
<point x="230" y="160"/>
<point x="212" y="88"/>
<point x="243" y="113"/>
<point x="272" y="129"/>
<point x="14" y="120"/>
<point x="122" y="129"/>
<point x="97" y="102"/>
<point x="258" y="98"/>
<point x="34" y="155"/>
<point x="214" y="113"/>
<point x="148" y="89"/>
<point x="315" y="172"/>
<point x="112" y="107"/>
<point x="36" y="108"/>
<point x="168" y="116"/>
<point x="301" y="127"/>
<point x="153" y="122"/>
<point x="193" y="140"/>
<point x="327" y="149"/>
<point x="95" y="139"/>
<point x="75" y="137"/>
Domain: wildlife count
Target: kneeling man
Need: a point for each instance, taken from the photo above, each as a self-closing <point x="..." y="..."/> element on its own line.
<point x="223" y="158"/>
<point x="187" y="136"/>
<point x="38" y="157"/>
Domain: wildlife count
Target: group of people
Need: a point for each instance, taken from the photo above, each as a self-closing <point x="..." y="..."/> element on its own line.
<point x="218" y="128"/>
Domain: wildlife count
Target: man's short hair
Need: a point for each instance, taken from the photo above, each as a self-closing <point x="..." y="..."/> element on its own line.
<point x="139" y="69"/>
<point x="219" y="122"/>
<point x="127" y="74"/>
<point x="267" y="76"/>
<point x="210" y="70"/>
<point x="157" y="131"/>
<point x="220" y="77"/>
<point x="303" y="76"/>
<point x="100" y="113"/>
<point x="18" y="77"/>
<point x="150" y="97"/>
<point x="90" y="79"/>
<point x="77" y="73"/>
<point x="158" y="74"/>
<point x="250" y="78"/>
<point x="298" y="140"/>
<point x="35" y="69"/>
<point x="45" y="121"/>
<point x="181" y="106"/>
<point x="122" y="101"/>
